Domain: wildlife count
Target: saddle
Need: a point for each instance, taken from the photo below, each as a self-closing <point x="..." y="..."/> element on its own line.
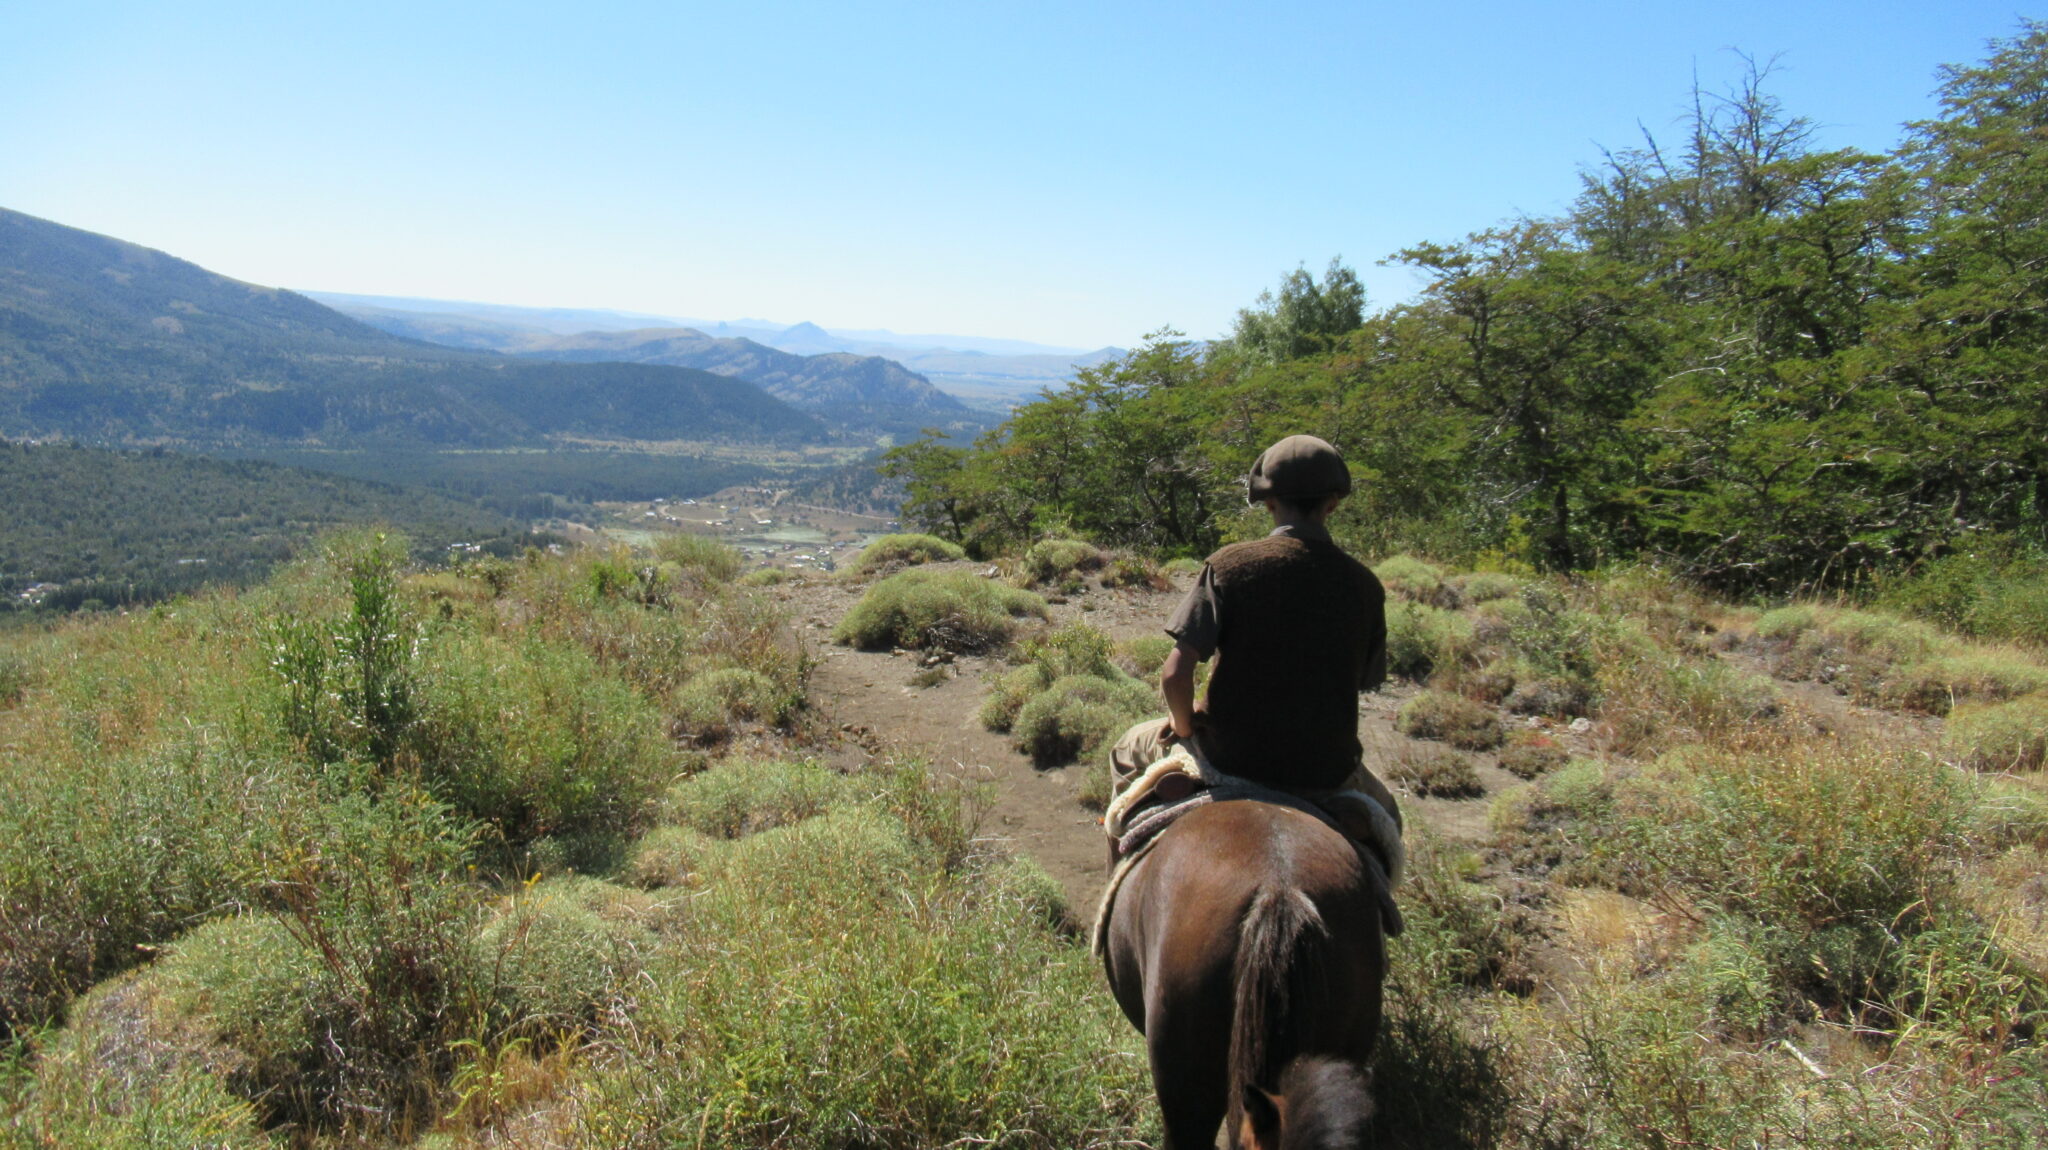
<point x="1182" y="780"/>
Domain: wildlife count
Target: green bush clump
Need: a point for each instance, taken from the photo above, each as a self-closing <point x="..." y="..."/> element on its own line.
<point x="713" y="701"/>
<point x="1484" y="587"/>
<point x="1051" y="560"/>
<point x="1654" y="699"/>
<point x="1935" y="686"/>
<point x="1443" y="774"/>
<point x="1415" y="580"/>
<point x="834" y="984"/>
<point x="708" y="560"/>
<point x="1989" y="593"/>
<point x="1134" y="571"/>
<point x="1528" y="758"/>
<point x="559" y="953"/>
<point x="765" y="577"/>
<point x="1422" y="639"/>
<point x="2004" y="736"/>
<point x="745" y="796"/>
<point x="1174" y="568"/>
<point x="1454" y="719"/>
<point x="533" y="740"/>
<point x="669" y="855"/>
<point x="1078" y="714"/>
<point x="904" y="551"/>
<point x="1008" y="694"/>
<point x="1144" y="657"/>
<point x="102" y="858"/>
<point x="117" y="1079"/>
<point x="950" y="610"/>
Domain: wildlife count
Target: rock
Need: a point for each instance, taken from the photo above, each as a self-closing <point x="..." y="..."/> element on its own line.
<point x="1581" y="725"/>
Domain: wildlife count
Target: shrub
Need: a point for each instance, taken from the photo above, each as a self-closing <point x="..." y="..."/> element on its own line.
<point x="951" y="610"/>
<point x="904" y="551"/>
<point x="765" y="577"/>
<point x="1415" y="580"/>
<point x="1077" y="714"/>
<point x="1550" y="697"/>
<point x="708" y="560"/>
<point x="1174" y="568"/>
<point x="17" y="675"/>
<point x="670" y="856"/>
<point x="1527" y="758"/>
<point x="1443" y="774"/>
<point x="1009" y="693"/>
<point x="532" y="739"/>
<point x="2007" y="736"/>
<point x="1050" y="560"/>
<point x="1422" y="639"/>
<point x="1933" y="687"/>
<point x="712" y="701"/>
<point x="102" y="859"/>
<point x="1452" y="718"/>
<point x="1658" y="699"/>
<point x="832" y="984"/>
<point x="1145" y="656"/>
<point x="1484" y="587"/>
<point x="744" y="796"/>
<point x="558" y="953"/>
<point x="1134" y="571"/>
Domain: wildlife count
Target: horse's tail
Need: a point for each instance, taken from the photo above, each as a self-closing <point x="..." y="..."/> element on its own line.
<point x="1278" y="964"/>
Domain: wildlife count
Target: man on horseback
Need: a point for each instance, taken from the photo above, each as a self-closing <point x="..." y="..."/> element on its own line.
<point x="1297" y="628"/>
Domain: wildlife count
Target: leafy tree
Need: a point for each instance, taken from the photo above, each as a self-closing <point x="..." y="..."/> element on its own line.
<point x="1304" y="319"/>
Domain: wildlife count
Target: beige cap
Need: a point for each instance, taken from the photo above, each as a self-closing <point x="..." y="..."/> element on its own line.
<point x="1299" y="467"/>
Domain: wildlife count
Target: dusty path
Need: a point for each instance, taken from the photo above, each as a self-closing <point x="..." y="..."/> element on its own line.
<point x="869" y="698"/>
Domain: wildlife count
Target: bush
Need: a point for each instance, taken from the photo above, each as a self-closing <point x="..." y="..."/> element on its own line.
<point x="670" y="856"/>
<point x="532" y="739"/>
<point x="744" y="796"/>
<point x="904" y="551"/>
<point x="1454" y="719"/>
<point x="2008" y="736"/>
<point x="1484" y="587"/>
<point x="1050" y="560"/>
<point x="559" y="953"/>
<point x="1933" y="687"/>
<point x="765" y="577"/>
<point x="713" y="701"/>
<point x="1144" y="657"/>
<point x="1415" y="580"/>
<point x="1422" y="639"/>
<point x="833" y="984"/>
<point x="1444" y="774"/>
<point x="950" y="610"/>
<point x="1175" y="568"/>
<point x="708" y="560"/>
<point x="1134" y="571"/>
<point x="1009" y="693"/>
<point x="1527" y="758"/>
<point x="1078" y="714"/>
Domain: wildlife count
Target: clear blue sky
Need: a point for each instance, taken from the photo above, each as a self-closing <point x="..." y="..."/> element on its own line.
<point x="1072" y="173"/>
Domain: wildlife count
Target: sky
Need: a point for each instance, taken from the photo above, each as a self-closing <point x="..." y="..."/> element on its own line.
<point x="1077" y="174"/>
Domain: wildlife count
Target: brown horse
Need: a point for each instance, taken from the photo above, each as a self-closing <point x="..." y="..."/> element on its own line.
<point x="1247" y="948"/>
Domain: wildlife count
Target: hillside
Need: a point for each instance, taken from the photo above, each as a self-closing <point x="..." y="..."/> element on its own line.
<point x="87" y="523"/>
<point x="837" y="385"/>
<point x="109" y="341"/>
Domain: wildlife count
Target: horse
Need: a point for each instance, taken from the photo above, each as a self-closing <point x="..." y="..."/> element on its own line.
<point x="1247" y="948"/>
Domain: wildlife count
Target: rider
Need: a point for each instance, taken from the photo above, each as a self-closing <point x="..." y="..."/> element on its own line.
<point x="1297" y="628"/>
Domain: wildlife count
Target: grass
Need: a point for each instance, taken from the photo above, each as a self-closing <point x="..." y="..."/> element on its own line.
<point x="2003" y="736"/>
<point x="892" y="551"/>
<point x="1067" y="698"/>
<point x="945" y="610"/>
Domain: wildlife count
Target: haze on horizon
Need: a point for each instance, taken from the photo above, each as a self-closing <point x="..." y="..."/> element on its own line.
<point x="1064" y="175"/>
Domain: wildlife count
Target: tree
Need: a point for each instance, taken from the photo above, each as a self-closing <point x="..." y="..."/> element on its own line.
<point x="1305" y="319"/>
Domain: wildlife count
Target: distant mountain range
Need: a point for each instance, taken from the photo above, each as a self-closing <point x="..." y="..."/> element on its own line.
<point x="106" y="341"/>
<point x="992" y="374"/>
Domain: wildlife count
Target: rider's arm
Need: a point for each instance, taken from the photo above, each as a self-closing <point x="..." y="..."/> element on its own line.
<point x="1177" y="683"/>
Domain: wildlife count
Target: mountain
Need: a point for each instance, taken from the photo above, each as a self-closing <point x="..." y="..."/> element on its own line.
<point x="990" y="374"/>
<point x="109" y="341"/>
<point x="846" y="389"/>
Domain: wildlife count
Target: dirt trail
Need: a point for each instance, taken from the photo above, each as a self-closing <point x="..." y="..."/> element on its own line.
<point x="868" y="697"/>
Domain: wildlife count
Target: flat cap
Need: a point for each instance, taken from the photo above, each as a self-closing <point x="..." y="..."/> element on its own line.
<point x="1299" y="467"/>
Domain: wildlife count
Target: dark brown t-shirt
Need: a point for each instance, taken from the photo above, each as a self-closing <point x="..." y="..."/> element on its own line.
<point x="1297" y="628"/>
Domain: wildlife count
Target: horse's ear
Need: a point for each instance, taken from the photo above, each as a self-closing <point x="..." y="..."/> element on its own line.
<point x="1261" y="1118"/>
